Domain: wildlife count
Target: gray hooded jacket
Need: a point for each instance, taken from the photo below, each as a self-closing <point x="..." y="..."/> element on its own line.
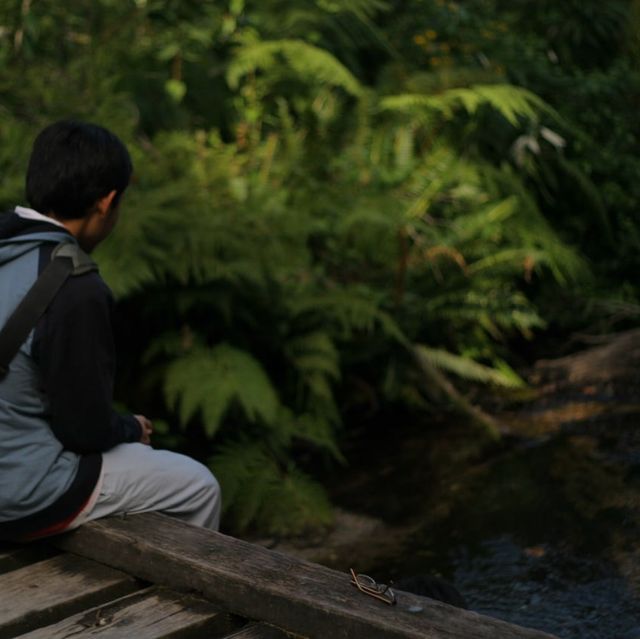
<point x="55" y="402"/>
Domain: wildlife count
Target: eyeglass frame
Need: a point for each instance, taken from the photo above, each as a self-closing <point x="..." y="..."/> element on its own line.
<point x="373" y="589"/>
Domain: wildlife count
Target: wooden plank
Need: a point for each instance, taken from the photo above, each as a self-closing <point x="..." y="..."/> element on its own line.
<point x="258" y="631"/>
<point x="150" y="614"/>
<point x="50" y="590"/>
<point x="14" y="556"/>
<point x="284" y="591"/>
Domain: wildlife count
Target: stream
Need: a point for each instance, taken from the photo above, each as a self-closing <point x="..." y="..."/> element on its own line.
<point x="544" y="535"/>
<point x="541" y="530"/>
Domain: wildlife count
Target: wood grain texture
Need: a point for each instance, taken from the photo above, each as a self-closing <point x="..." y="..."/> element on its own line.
<point x="150" y="614"/>
<point x="14" y="556"/>
<point x="47" y="591"/>
<point x="298" y="596"/>
<point x="258" y="631"/>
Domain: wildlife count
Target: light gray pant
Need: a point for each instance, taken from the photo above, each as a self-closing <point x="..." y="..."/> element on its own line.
<point x="136" y="479"/>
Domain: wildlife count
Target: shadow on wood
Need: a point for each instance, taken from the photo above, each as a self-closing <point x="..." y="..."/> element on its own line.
<point x="292" y="594"/>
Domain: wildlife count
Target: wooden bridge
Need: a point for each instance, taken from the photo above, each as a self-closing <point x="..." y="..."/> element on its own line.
<point x="152" y="577"/>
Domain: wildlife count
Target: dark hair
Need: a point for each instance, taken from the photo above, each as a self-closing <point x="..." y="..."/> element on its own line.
<point x="73" y="165"/>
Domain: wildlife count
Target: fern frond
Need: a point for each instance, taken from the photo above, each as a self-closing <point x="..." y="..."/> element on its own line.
<point x="530" y="230"/>
<point x="260" y="493"/>
<point x="437" y="384"/>
<point x="314" y="353"/>
<point x="485" y="221"/>
<point x="467" y="368"/>
<point x="349" y="310"/>
<point x="493" y="307"/>
<point x="512" y="102"/>
<point x="296" y="505"/>
<point x="310" y="62"/>
<point x="210" y="380"/>
<point x="245" y="472"/>
<point x="512" y="257"/>
<point x="314" y="428"/>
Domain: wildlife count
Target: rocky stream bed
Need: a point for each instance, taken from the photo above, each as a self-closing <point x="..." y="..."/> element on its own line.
<point x="541" y="529"/>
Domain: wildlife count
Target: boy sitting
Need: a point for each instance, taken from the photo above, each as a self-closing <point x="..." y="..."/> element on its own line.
<point x="66" y="456"/>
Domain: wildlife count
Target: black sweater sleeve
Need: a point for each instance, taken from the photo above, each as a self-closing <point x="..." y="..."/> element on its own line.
<point x="73" y="345"/>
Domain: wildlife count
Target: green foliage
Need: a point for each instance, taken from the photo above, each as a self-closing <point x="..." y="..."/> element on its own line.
<point x="211" y="380"/>
<point x="347" y="311"/>
<point x="465" y="367"/>
<point x="581" y="57"/>
<point x="325" y="194"/>
<point x="513" y="103"/>
<point x="261" y="493"/>
<point x="305" y="60"/>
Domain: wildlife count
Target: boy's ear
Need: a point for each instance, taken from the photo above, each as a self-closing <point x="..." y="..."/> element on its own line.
<point x="103" y="205"/>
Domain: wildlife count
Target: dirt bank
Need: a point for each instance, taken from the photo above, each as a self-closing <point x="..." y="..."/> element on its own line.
<point x="404" y="478"/>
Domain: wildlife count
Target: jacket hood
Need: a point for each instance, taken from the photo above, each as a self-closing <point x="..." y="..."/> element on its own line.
<point x="19" y="236"/>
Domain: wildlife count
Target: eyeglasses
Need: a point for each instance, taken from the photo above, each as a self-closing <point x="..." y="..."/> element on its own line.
<point x="370" y="587"/>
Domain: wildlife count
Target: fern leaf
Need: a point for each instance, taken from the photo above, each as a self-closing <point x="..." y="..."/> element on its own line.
<point x="245" y="472"/>
<point x="295" y="505"/>
<point x="210" y="380"/>
<point x="309" y="61"/>
<point x="315" y="353"/>
<point x="467" y="368"/>
<point x="350" y="310"/>
<point x="438" y="382"/>
<point x="510" y="101"/>
<point x="315" y="428"/>
<point x="486" y="220"/>
<point x="509" y="256"/>
<point x="260" y="493"/>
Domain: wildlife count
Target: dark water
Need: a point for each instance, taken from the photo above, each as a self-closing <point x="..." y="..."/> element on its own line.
<point x="542" y="531"/>
<point x="560" y="593"/>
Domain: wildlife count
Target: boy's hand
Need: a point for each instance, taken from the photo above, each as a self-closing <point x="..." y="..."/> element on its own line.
<point x="147" y="429"/>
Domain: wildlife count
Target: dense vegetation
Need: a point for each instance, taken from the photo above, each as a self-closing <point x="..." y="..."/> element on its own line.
<point x="339" y="206"/>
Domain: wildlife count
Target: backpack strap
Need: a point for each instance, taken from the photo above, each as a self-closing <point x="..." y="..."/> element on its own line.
<point x="66" y="259"/>
<point x="82" y="263"/>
